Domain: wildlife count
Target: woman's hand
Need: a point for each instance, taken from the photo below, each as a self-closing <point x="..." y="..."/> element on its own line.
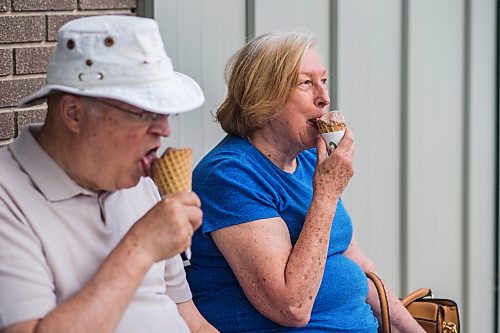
<point x="334" y="172"/>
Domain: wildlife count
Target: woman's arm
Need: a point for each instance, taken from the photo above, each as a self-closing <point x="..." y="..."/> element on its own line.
<point x="279" y="279"/>
<point x="401" y="319"/>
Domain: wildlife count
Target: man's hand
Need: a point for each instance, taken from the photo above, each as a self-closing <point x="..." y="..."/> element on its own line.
<point x="167" y="228"/>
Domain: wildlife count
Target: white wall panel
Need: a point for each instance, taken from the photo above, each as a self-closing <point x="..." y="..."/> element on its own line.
<point x="200" y="36"/>
<point x="369" y="38"/>
<point x="481" y="220"/>
<point x="312" y="16"/>
<point x="435" y="166"/>
<point x="449" y="180"/>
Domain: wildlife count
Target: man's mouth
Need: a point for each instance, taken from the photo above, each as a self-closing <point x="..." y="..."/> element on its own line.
<point x="147" y="162"/>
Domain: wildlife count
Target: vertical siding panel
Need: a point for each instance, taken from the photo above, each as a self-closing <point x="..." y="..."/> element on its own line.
<point x="369" y="46"/>
<point x="313" y="16"/>
<point x="372" y="87"/>
<point x="435" y="114"/>
<point x="190" y="37"/>
<point x="166" y="13"/>
<point x="403" y="200"/>
<point x="480" y="316"/>
<point x="224" y="33"/>
<point x="200" y="38"/>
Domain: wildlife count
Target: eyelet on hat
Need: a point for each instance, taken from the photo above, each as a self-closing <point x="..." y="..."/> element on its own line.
<point x="90" y="76"/>
<point x="89" y="62"/>
<point x="70" y="44"/>
<point x="109" y="41"/>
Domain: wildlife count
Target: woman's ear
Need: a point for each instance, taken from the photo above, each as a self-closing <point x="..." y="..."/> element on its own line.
<point x="71" y="109"/>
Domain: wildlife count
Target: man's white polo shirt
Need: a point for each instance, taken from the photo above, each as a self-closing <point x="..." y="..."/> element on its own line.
<point x="54" y="235"/>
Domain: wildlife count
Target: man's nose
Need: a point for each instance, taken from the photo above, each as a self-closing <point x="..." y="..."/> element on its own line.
<point x="161" y="126"/>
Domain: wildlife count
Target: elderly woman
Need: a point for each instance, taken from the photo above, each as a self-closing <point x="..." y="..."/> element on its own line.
<point x="276" y="251"/>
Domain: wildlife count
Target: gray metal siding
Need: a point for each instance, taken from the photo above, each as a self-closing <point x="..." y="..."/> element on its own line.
<point x="416" y="82"/>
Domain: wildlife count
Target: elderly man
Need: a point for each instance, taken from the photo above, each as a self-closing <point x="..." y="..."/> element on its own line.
<point x="87" y="244"/>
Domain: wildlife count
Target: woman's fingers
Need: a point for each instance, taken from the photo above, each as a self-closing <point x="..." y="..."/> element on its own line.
<point x="321" y="150"/>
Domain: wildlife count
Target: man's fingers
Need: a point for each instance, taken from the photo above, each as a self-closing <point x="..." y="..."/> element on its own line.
<point x="185" y="198"/>
<point x="195" y="216"/>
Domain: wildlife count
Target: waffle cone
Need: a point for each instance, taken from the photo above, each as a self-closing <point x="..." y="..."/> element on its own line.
<point x="173" y="170"/>
<point x="333" y="126"/>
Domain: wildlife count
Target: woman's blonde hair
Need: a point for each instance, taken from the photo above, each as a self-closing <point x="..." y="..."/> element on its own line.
<point x="260" y="78"/>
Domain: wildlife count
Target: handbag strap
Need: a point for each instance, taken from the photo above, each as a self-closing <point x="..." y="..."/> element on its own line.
<point x="384" y="304"/>
<point x="417" y="294"/>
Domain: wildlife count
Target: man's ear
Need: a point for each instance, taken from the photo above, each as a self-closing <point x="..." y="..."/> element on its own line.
<point x="71" y="109"/>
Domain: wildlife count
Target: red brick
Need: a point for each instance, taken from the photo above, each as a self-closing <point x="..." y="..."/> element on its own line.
<point x="32" y="60"/>
<point x="33" y="5"/>
<point x="110" y="4"/>
<point x="16" y="29"/>
<point x="4" y="5"/>
<point x="7" y="125"/>
<point x="12" y="90"/>
<point x="30" y="116"/>
<point x="6" y="61"/>
<point x="54" y="22"/>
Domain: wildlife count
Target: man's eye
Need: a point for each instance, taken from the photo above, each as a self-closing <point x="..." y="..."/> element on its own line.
<point x="324" y="81"/>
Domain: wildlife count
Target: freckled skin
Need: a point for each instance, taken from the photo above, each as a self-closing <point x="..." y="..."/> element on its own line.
<point x="284" y="286"/>
<point x="280" y="280"/>
<point x="101" y="150"/>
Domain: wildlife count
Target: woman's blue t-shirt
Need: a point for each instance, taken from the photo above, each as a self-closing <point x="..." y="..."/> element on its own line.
<point x="238" y="184"/>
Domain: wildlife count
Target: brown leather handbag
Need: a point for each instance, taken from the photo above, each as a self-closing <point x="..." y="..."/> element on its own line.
<point x="435" y="315"/>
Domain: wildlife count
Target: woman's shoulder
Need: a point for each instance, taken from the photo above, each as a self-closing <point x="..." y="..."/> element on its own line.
<point x="230" y="151"/>
<point x="232" y="155"/>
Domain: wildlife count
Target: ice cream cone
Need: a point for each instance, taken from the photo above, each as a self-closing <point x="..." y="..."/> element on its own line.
<point x="325" y="127"/>
<point x="332" y="121"/>
<point x="332" y="128"/>
<point x="173" y="170"/>
<point x="172" y="173"/>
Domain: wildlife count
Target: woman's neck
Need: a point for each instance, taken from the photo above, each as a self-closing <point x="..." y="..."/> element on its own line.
<point x="275" y="149"/>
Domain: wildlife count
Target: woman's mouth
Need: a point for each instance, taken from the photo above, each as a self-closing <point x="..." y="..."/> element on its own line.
<point x="312" y="122"/>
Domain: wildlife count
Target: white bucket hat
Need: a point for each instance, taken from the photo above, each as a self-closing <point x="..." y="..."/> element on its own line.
<point x="118" y="57"/>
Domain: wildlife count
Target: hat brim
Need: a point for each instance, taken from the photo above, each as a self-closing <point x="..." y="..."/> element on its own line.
<point x="176" y="94"/>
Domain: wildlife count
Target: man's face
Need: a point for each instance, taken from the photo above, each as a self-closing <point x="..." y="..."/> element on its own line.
<point x="121" y="143"/>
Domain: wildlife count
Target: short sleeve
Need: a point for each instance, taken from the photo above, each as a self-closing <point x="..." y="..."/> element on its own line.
<point x="176" y="286"/>
<point x="26" y="282"/>
<point x="233" y="192"/>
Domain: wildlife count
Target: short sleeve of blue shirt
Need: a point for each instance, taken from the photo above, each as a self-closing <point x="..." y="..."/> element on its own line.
<point x="227" y="187"/>
<point x="238" y="184"/>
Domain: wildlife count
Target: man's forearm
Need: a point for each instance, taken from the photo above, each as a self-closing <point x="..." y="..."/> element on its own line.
<point x="100" y="305"/>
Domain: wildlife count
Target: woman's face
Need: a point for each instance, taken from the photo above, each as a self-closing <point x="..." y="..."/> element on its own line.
<point x="308" y="101"/>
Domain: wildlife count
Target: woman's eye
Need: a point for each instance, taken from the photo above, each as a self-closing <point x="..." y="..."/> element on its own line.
<point x="324" y="81"/>
<point x="306" y="83"/>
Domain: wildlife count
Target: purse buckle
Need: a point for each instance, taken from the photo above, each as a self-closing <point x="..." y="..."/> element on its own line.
<point x="449" y="327"/>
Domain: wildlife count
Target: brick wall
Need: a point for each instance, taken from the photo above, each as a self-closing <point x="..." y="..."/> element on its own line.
<point x="28" y="32"/>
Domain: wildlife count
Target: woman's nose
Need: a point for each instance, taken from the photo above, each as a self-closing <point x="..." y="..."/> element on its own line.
<point x="322" y="98"/>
